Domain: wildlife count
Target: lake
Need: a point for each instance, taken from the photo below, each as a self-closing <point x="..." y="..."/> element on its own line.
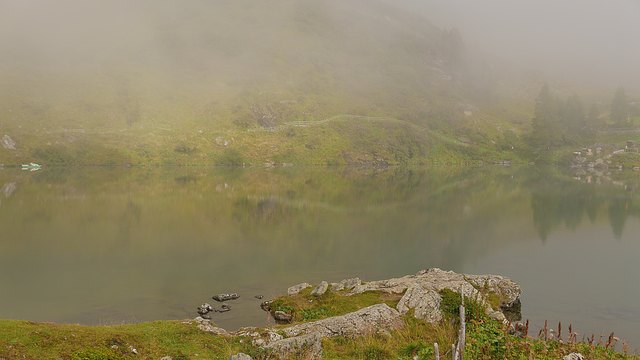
<point x="113" y="245"/>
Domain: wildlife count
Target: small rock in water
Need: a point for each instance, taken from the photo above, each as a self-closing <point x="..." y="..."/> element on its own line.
<point x="224" y="308"/>
<point x="259" y="297"/>
<point x="265" y="305"/>
<point x="204" y="309"/>
<point x="320" y="289"/>
<point x="225" y="297"/>
<point x="282" y="316"/>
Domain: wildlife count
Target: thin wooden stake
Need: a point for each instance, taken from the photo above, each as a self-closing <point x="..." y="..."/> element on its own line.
<point x="559" y="331"/>
<point x="436" y="349"/>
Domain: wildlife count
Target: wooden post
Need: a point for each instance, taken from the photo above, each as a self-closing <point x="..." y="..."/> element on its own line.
<point x="436" y="350"/>
<point x="463" y="327"/>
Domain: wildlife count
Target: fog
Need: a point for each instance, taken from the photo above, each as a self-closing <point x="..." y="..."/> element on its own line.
<point x="204" y="53"/>
<point x="593" y="43"/>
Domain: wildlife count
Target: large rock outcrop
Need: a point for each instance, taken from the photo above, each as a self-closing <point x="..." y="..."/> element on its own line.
<point x="422" y="291"/>
<point x="362" y="322"/>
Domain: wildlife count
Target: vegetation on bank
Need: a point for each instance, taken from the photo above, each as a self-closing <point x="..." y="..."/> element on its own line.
<point x="486" y="338"/>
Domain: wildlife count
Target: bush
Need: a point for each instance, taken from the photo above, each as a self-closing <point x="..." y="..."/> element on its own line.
<point x="231" y="157"/>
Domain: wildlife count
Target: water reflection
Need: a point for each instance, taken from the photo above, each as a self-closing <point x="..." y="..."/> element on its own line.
<point x="97" y="245"/>
<point x="562" y="200"/>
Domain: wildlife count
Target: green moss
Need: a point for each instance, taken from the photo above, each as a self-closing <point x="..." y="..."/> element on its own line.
<point x="306" y="307"/>
<point x="450" y="306"/>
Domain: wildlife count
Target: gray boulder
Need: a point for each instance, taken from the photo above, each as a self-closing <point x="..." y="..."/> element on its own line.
<point x="304" y="346"/>
<point x="8" y="143"/>
<point x="295" y="289"/>
<point x="362" y="322"/>
<point x="282" y="316"/>
<point x="225" y="297"/>
<point x="204" y="309"/>
<point x="320" y="289"/>
<point x="206" y="326"/>
<point x="422" y="291"/>
<point x="346" y="284"/>
<point x="351" y="283"/>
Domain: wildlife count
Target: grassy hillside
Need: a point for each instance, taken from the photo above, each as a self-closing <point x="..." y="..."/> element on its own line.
<point x="234" y="81"/>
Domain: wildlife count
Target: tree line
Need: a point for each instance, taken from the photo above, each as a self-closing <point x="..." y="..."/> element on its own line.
<point x="564" y="122"/>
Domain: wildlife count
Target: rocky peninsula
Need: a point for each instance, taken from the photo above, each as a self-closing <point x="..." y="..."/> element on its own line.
<point x="411" y="317"/>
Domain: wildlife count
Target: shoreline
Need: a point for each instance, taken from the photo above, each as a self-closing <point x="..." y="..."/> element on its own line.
<point x="393" y="318"/>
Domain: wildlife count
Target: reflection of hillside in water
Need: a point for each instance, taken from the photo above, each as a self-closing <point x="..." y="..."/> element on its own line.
<point x="565" y="200"/>
<point x="110" y="238"/>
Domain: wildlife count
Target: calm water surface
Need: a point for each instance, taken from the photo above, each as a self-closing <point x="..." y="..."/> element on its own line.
<point x="104" y="246"/>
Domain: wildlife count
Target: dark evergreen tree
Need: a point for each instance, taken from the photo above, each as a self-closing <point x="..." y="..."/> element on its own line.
<point x="545" y="132"/>
<point x="620" y="108"/>
<point x="573" y="120"/>
<point x="593" y="119"/>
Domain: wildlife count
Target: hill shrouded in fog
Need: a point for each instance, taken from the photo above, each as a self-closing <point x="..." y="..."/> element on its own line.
<point x="286" y="81"/>
<point x="114" y="62"/>
<point x="137" y="70"/>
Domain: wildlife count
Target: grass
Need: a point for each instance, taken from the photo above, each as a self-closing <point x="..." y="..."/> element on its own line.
<point x="306" y="307"/>
<point x="486" y="338"/>
<point x="28" y="340"/>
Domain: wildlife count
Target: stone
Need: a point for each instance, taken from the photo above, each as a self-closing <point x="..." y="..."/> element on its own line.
<point x="240" y="356"/>
<point x="166" y="358"/>
<point x="8" y="189"/>
<point x="320" y="289"/>
<point x="336" y="286"/>
<point x="8" y="143"/>
<point x="362" y="322"/>
<point x="225" y="297"/>
<point x="204" y="309"/>
<point x="295" y="289"/>
<point x="424" y="302"/>
<point x="519" y="329"/>
<point x="351" y="283"/>
<point x="302" y="347"/>
<point x="206" y="326"/>
<point x="282" y="316"/>
<point x="421" y="292"/>
<point x="259" y="297"/>
<point x="265" y="305"/>
<point x="573" y="356"/>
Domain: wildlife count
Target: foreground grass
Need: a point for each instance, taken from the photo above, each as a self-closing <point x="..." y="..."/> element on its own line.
<point x="28" y="340"/>
<point x="486" y="338"/>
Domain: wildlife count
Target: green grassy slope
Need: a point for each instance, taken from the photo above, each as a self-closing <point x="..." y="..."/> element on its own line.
<point x="168" y="85"/>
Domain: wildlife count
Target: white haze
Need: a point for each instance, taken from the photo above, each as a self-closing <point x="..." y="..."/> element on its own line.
<point x="588" y="43"/>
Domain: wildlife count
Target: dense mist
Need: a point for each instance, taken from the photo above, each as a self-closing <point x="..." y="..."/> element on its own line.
<point x="577" y="43"/>
<point x="236" y="65"/>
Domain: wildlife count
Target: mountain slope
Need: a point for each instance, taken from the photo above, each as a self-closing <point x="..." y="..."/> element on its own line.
<point x="95" y="84"/>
